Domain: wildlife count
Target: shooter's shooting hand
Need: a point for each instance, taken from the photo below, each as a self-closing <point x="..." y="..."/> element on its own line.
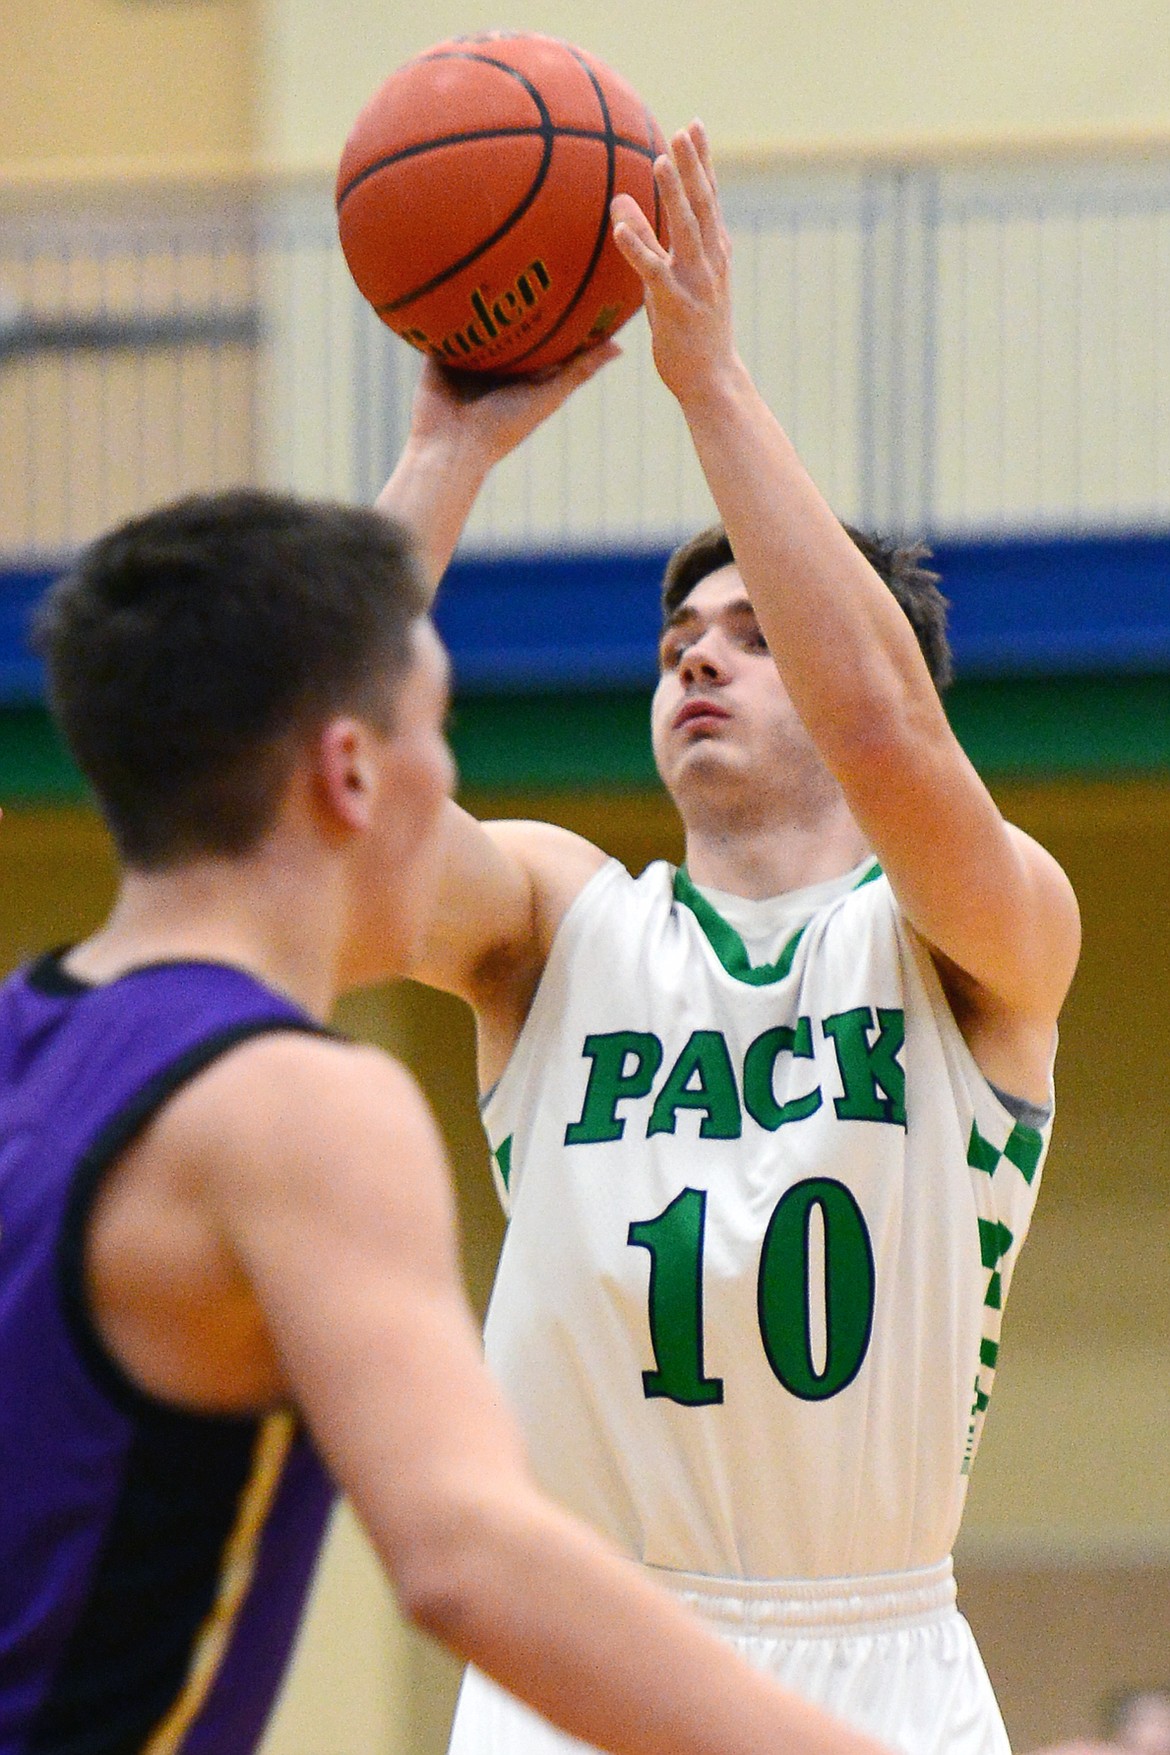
<point x="461" y="425"/>
<point x="688" y="284"/>
<point x="489" y="417"/>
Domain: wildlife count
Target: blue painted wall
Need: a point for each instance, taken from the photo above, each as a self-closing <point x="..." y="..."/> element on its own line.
<point x="1029" y="606"/>
<point x="1021" y="607"/>
<point x="20" y="674"/>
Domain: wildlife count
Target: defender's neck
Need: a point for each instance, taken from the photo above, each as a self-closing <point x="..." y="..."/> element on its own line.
<point x="264" y="915"/>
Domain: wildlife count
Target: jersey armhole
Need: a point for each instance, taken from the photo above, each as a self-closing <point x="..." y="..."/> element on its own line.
<point x="114" y="1138"/>
<point x="1016" y="1111"/>
<point x="559" y="953"/>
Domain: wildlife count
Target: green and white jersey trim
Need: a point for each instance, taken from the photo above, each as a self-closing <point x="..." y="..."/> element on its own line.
<point x="1019" y="1154"/>
<point x="764" y="1210"/>
<point x="728" y="944"/>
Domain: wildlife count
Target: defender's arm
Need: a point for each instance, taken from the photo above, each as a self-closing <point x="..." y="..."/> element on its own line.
<point x="995" y="908"/>
<point x="356" y="1279"/>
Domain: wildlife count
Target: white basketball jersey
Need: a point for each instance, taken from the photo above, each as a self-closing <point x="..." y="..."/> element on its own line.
<point x="763" y="1215"/>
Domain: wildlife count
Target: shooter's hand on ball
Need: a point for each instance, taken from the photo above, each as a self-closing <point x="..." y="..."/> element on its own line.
<point x="688" y="285"/>
<point x="461" y="425"/>
<point x="492" y="416"/>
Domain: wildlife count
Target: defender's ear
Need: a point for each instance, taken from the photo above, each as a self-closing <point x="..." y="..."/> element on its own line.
<point x="347" y="772"/>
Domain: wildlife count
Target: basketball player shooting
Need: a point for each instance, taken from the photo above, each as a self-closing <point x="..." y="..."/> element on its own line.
<point x="769" y="1128"/>
<point x="228" y="1269"/>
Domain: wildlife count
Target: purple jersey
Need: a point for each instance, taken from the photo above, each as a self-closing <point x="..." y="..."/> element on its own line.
<point x="153" y="1562"/>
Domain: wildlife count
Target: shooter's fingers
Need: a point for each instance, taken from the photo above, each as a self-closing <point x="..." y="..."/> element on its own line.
<point x="700" y="193"/>
<point x="686" y="240"/>
<point x="653" y="270"/>
<point x="584" y="365"/>
<point x="624" y="210"/>
<point x="702" y="145"/>
<point x="634" y="236"/>
<point x="589" y="363"/>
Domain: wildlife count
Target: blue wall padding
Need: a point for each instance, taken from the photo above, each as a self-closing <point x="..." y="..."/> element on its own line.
<point x="585" y="621"/>
<point x="21" y="679"/>
<point x="589" y="620"/>
<point x="1024" y="606"/>
<point x="1058" y="605"/>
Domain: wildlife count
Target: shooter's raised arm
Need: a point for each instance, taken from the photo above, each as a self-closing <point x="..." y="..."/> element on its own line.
<point x="461" y="426"/>
<point x="995" y="909"/>
<point x="504" y="886"/>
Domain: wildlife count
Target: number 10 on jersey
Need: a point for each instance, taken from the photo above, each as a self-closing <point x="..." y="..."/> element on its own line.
<point x="675" y="1242"/>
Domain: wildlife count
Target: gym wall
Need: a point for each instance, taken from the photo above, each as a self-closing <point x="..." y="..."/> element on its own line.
<point x="91" y="81"/>
<point x="762" y="73"/>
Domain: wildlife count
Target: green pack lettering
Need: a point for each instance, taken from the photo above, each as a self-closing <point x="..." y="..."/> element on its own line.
<point x="872" y="1076"/>
<point x="759" y="1068"/>
<point x="624" y="1065"/>
<point x="706" y="1061"/>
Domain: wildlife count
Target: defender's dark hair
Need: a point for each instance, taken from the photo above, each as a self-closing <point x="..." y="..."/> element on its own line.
<point x="187" y="649"/>
<point x="914" y="586"/>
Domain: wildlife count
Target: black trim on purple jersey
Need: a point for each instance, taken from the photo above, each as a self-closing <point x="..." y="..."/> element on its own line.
<point x="158" y="1571"/>
<point x="48" y="975"/>
<point x="110" y="1143"/>
<point x="154" y="1584"/>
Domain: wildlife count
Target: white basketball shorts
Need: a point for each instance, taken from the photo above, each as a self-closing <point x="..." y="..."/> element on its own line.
<point x="890" y="1654"/>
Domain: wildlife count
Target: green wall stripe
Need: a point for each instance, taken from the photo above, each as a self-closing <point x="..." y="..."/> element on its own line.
<point x="1040" y="727"/>
<point x="35" y="767"/>
<point x="1064" y="725"/>
<point x="1035" y="727"/>
<point x="576" y="742"/>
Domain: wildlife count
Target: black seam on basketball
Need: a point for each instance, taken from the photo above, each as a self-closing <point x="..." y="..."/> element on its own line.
<point x="423" y="146"/>
<point x="576" y="133"/>
<point x="527" y="132"/>
<point x="604" y="139"/>
<point x="611" y="143"/>
<point x="603" y="229"/>
<point x="481" y="249"/>
<point x="653" y="179"/>
<point x="548" y="135"/>
<point x="546" y="120"/>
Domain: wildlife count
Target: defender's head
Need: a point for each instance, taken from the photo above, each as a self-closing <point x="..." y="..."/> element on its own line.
<point x="725" y="733"/>
<point x="208" y="655"/>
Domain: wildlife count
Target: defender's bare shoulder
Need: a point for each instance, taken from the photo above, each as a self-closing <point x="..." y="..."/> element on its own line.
<point x="226" y="1209"/>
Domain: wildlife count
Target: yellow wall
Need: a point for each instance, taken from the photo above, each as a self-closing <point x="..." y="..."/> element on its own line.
<point x="57" y="877"/>
<point x="758" y="71"/>
<point x="163" y="81"/>
<point x="144" y="79"/>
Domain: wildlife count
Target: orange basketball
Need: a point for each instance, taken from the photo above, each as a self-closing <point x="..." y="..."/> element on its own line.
<point x="473" y="200"/>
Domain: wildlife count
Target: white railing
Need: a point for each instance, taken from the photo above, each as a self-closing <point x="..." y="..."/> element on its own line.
<point x="979" y="344"/>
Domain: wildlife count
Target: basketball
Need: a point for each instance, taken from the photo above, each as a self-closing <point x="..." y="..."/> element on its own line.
<point x="473" y="200"/>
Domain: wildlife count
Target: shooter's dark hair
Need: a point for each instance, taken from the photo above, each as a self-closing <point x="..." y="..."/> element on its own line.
<point x="914" y="586"/>
<point x="189" y="649"/>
